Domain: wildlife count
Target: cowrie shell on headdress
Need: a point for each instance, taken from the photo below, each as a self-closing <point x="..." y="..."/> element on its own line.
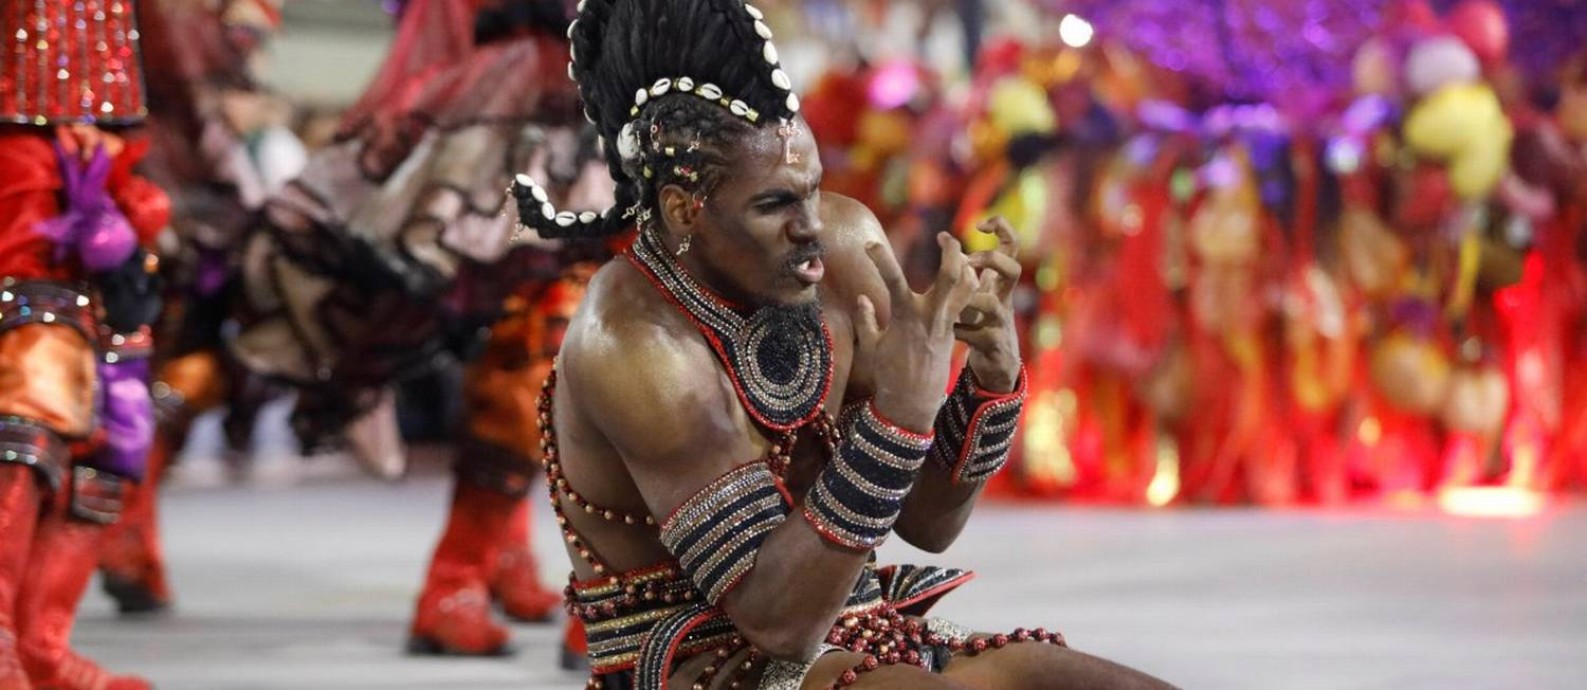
<point x="572" y="24"/>
<point x="661" y="87"/>
<point x="793" y="101"/>
<point x="548" y="210"/>
<point x="762" y="30"/>
<point x="587" y="217"/>
<point x="769" y="52"/>
<point x="641" y="97"/>
<point x="534" y="189"/>
<point x="738" y="108"/>
<point x="570" y="72"/>
<point x="627" y="142"/>
<point x="780" y="78"/>
<point x="754" y="11"/>
<point x="580" y="7"/>
<point x="566" y="219"/>
<point x="685" y="84"/>
<point x="710" y="91"/>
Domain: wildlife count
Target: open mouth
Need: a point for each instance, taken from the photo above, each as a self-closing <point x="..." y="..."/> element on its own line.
<point x="810" y="270"/>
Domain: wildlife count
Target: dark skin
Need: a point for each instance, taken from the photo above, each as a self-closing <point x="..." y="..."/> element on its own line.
<point x="629" y="353"/>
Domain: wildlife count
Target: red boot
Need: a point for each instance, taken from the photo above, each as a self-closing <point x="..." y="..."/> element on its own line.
<point x="454" y="614"/>
<point x="575" y="646"/>
<point x="19" y="513"/>
<point x="65" y="551"/>
<point x="76" y="673"/>
<point x="131" y="561"/>
<point x="515" y="581"/>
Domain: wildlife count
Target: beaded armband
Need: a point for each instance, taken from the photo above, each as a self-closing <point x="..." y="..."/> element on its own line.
<point x="975" y="429"/>
<point x="858" y="496"/>
<point x="716" y="533"/>
<point x="38" y="301"/>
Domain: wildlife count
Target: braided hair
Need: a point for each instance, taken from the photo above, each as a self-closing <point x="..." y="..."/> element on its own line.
<point x="672" y="86"/>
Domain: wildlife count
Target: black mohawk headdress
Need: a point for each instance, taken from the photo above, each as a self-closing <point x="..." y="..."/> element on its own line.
<point x="650" y="71"/>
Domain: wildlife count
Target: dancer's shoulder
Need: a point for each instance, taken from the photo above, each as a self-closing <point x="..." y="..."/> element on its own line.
<point x="627" y="335"/>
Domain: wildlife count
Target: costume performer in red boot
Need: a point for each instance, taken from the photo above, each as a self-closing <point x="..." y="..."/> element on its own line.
<point x="77" y="292"/>
<point x="499" y="392"/>
<point x="391" y="251"/>
<point x="217" y="169"/>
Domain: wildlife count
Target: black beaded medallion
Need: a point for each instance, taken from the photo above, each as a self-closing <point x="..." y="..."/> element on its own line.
<point x="780" y="366"/>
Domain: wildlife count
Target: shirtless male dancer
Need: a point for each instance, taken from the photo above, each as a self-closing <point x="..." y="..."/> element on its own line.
<point x="752" y="399"/>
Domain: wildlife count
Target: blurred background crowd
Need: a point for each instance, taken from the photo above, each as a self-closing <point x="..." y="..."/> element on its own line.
<point x="1311" y="251"/>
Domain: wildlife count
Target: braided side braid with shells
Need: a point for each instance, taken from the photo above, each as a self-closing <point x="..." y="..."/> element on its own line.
<point x="671" y="86"/>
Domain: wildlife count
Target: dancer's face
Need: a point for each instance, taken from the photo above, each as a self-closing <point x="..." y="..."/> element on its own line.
<point x="758" y="237"/>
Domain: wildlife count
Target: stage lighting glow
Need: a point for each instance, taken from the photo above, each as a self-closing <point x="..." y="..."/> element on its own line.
<point x="1165" y="483"/>
<point x="1370" y="431"/>
<point x="1491" y="502"/>
<point x="1075" y="31"/>
<point x="893" y="85"/>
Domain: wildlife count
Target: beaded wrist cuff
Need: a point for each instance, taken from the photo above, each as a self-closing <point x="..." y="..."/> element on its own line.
<point x="37" y="301"/>
<point x="716" y="533"/>
<point x="858" y="496"/>
<point x="850" y="412"/>
<point x="976" y="429"/>
<point x="26" y="442"/>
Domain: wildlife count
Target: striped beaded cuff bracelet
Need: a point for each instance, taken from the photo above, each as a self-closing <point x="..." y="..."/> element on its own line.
<point x="975" y="429"/>
<point x="717" y="532"/>
<point x="858" y="496"/>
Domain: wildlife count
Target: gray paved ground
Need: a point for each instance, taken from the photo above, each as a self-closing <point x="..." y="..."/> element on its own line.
<point x="309" y="587"/>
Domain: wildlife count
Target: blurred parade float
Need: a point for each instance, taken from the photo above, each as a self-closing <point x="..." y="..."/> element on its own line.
<point x="1308" y="252"/>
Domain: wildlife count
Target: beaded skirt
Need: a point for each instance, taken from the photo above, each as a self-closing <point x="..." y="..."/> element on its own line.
<point x="642" y="624"/>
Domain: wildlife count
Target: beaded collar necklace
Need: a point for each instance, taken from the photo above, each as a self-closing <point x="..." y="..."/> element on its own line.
<point x="782" y="375"/>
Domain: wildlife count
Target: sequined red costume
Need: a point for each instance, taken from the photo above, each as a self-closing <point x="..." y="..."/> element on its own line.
<point x="76" y="295"/>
